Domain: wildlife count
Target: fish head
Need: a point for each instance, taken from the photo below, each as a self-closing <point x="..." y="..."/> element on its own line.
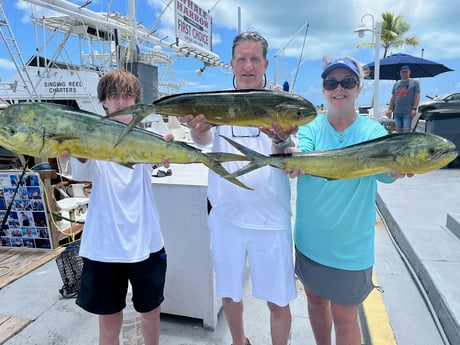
<point x="13" y="133"/>
<point x="21" y="129"/>
<point x="425" y="152"/>
<point x="297" y="110"/>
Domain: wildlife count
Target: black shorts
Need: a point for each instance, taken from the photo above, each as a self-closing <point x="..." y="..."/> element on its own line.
<point x="104" y="285"/>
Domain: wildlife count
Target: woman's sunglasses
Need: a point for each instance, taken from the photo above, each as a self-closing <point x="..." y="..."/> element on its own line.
<point x="347" y="83"/>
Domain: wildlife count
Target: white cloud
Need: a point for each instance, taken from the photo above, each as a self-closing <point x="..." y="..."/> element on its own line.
<point x="331" y="23"/>
<point x="7" y="65"/>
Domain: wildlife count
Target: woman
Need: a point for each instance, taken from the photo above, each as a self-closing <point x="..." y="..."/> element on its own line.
<point x="334" y="228"/>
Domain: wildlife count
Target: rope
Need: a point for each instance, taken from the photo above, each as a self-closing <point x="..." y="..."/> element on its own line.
<point x="300" y="57"/>
<point x="7" y="269"/>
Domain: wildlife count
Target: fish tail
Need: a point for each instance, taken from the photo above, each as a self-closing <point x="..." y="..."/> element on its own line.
<point x="254" y="165"/>
<point x="213" y="162"/>
<point x="257" y="160"/>
<point x="227" y="157"/>
<point x="138" y="111"/>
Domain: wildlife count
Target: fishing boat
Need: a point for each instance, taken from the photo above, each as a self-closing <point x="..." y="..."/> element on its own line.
<point x="75" y="46"/>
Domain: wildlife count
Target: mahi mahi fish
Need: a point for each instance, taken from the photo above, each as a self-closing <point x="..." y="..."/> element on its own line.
<point x="251" y="107"/>
<point x="46" y="129"/>
<point x="408" y="153"/>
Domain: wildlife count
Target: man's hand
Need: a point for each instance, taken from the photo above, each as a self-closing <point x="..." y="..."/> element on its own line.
<point x="281" y="137"/>
<point x="197" y="123"/>
<point x="167" y="137"/>
<point x="65" y="156"/>
<point x="277" y="133"/>
<point x="200" y="130"/>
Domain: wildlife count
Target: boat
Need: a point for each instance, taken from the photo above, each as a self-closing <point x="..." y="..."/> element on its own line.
<point x="61" y="71"/>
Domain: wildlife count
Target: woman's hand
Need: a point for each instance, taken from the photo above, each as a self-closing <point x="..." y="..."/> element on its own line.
<point x="396" y="174"/>
<point x="293" y="173"/>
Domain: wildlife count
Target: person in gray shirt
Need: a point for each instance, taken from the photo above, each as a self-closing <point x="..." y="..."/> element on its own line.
<point x="404" y="101"/>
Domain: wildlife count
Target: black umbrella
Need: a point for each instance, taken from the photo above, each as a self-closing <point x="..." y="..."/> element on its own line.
<point x="419" y="68"/>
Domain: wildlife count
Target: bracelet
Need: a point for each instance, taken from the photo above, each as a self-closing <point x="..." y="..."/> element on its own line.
<point x="283" y="143"/>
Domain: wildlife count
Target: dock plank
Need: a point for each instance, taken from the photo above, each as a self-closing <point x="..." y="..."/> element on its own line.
<point x="15" y="263"/>
<point x="10" y="325"/>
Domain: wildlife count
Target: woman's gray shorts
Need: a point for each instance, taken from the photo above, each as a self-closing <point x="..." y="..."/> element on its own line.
<point x="339" y="286"/>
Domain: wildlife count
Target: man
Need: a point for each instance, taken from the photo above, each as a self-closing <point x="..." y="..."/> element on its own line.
<point x="253" y="225"/>
<point x="404" y="101"/>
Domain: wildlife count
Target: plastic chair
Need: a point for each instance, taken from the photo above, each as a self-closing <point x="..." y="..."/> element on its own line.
<point x="73" y="198"/>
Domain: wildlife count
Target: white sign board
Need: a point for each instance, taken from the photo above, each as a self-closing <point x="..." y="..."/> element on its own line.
<point x="193" y="24"/>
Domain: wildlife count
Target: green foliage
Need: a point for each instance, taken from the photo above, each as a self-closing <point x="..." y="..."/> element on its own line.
<point x="394" y="29"/>
<point x="393" y="33"/>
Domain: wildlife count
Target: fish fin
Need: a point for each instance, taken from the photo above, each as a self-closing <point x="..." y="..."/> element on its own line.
<point x="215" y="166"/>
<point x="125" y="111"/>
<point x="227" y="157"/>
<point x="244" y="170"/>
<point x="251" y="154"/>
<point x="63" y="137"/>
<point x="214" y="163"/>
<point x="258" y="160"/>
<point x="139" y="112"/>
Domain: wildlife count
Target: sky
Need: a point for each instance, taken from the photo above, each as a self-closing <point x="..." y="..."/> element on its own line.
<point x="296" y="51"/>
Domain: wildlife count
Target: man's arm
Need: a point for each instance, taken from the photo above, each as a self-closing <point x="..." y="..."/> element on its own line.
<point x="391" y="106"/>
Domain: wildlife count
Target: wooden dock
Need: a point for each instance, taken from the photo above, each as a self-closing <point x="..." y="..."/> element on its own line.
<point x="15" y="263"/>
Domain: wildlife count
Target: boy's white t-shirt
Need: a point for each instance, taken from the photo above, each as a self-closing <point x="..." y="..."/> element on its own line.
<point x="122" y="223"/>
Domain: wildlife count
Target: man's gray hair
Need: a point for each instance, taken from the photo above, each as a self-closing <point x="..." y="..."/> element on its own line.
<point x="251" y="36"/>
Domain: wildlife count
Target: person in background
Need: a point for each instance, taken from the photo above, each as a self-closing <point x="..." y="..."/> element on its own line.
<point x="335" y="220"/>
<point x="121" y="242"/>
<point x="404" y="101"/>
<point x="250" y="225"/>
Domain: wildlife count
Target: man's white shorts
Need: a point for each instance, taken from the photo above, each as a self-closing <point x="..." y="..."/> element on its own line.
<point x="270" y="258"/>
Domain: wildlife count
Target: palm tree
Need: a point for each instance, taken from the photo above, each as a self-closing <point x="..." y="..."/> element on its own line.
<point x="393" y="30"/>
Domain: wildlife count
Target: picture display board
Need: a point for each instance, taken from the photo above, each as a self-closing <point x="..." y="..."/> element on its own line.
<point x="26" y="223"/>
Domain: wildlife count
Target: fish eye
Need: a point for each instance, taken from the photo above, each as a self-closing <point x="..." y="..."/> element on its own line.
<point x="431" y="151"/>
<point x="12" y="131"/>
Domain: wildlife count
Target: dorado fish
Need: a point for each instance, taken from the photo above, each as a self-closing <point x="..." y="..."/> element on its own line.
<point x="251" y="107"/>
<point x="408" y="153"/>
<point x="46" y="129"/>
